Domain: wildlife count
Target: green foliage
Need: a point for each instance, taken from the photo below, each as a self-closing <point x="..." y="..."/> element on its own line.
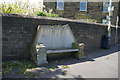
<point x="8" y="66"/>
<point x="24" y="67"/>
<point x="41" y="13"/>
<point x="65" y="66"/>
<point x="47" y="14"/>
<point x="19" y="7"/>
<point x="52" y="68"/>
<point x="10" y="8"/>
<point x="89" y="20"/>
<point x="7" y="69"/>
<point x="25" y="8"/>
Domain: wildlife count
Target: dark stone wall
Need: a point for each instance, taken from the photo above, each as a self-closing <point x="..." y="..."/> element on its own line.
<point x="119" y="13"/>
<point x="94" y="10"/>
<point x="18" y="33"/>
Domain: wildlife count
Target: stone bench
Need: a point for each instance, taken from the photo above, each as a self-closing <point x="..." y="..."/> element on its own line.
<point x="54" y="39"/>
<point x="40" y="55"/>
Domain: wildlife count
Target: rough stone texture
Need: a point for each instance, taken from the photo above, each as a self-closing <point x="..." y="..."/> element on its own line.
<point x="38" y="54"/>
<point x="80" y="46"/>
<point x="119" y="14"/>
<point x="94" y="10"/>
<point x="18" y="33"/>
<point x="41" y="55"/>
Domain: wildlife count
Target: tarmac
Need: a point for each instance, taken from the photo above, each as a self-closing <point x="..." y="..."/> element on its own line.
<point x="103" y="64"/>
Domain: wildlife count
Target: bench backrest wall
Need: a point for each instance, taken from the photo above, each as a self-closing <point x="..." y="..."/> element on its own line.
<point x="55" y="37"/>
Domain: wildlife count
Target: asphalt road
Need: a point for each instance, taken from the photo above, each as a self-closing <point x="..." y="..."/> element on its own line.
<point x="103" y="64"/>
<point x="100" y="64"/>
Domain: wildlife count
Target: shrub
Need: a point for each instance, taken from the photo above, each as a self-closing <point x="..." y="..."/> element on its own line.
<point x="43" y="13"/>
<point x="47" y="14"/>
<point x="89" y="20"/>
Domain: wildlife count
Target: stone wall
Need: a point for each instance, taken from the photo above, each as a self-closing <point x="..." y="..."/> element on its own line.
<point x="119" y="13"/>
<point x="94" y="10"/>
<point x="18" y="33"/>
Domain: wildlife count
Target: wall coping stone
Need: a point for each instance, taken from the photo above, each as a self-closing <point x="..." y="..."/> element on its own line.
<point x="51" y="18"/>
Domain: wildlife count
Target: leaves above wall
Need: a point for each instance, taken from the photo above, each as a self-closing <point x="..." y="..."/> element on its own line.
<point x="47" y="14"/>
<point x="19" y="7"/>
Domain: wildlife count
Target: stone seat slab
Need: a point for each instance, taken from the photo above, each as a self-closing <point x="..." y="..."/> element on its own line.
<point x="61" y="51"/>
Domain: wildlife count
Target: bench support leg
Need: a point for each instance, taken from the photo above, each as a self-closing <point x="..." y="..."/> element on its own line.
<point x="41" y="56"/>
<point x="80" y="54"/>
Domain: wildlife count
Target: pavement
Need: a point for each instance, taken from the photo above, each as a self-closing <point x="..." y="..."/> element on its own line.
<point x="102" y="63"/>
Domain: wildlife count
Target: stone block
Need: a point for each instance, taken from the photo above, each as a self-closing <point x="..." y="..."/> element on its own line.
<point x="39" y="54"/>
<point x="80" y="54"/>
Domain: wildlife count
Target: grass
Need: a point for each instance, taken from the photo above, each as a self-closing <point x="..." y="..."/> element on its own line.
<point x="6" y="67"/>
<point x="23" y="68"/>
<point x="52" y="68"/>
<point x="65" y="67"/>
<point x="9" y="65"/>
